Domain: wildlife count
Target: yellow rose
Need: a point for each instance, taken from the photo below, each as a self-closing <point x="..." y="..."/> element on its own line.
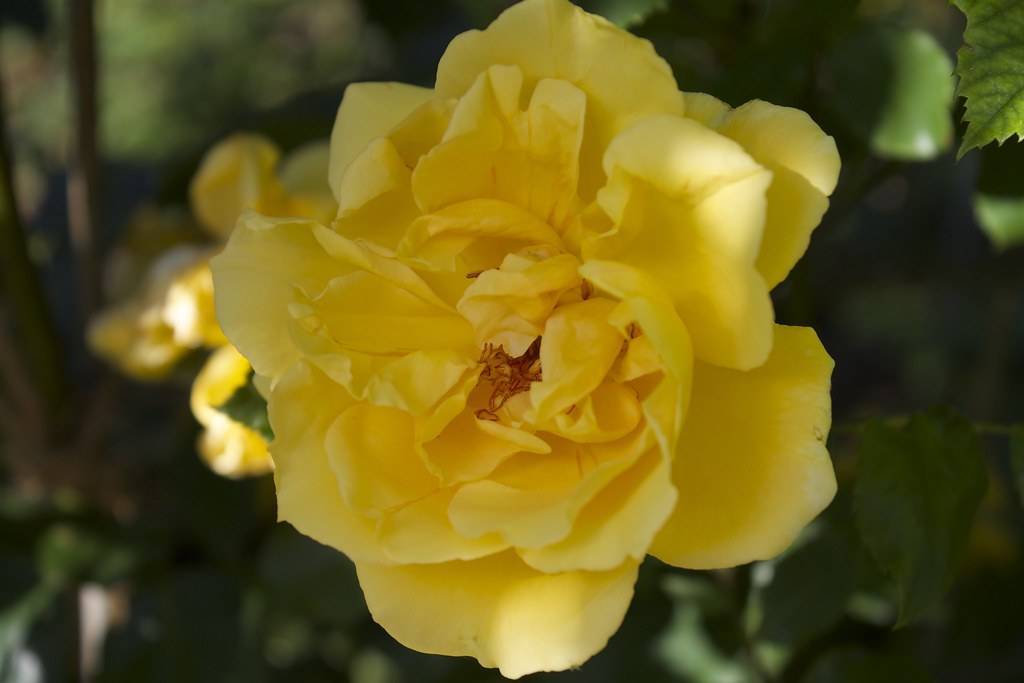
<point x="172" y="313"/>
<point x="243" y="172"/>
<point x="536" y="342"/>
<point x="228" y="447"/>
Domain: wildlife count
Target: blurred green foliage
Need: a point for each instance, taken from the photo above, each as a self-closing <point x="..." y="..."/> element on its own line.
<point x="907" y="118"/>
<point x="917" y="492"/>
<point x="248" y="407"/>
<point x="199" y="583"/>
<point x="175" y="73"/>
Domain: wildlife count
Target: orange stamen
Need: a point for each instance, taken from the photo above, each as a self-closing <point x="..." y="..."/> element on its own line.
<point x="507" y="375"/>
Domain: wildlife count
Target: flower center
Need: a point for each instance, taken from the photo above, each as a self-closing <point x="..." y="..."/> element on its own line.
<point x="507" y="375"/>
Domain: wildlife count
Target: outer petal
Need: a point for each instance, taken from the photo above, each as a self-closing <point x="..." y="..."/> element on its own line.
<point x="256" y="278"/>
<point x="619" y="523"/>
<point x="372" y="450"/>
<point x="368" y="111"/>
<point x="499" y="611"/>
<point x="302" y="407"/>
<point x="805" y="167"/>
<point x="704" y="108"/>
<point x="752" y="469"/>
<point x="235" y="175"/>
<point x="688" y="207"/>
<point x="622" y="76"/>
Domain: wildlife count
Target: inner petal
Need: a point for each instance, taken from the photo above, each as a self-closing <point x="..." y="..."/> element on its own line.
<point x="493" y="148"/>
<point x="578" y="349"/>
<point x="475" y="235"/>
<point x="508" y="306"/>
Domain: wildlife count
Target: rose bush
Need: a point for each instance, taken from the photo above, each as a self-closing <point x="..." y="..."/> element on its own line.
<point x="171" y="313"/>
<point x="536" y="342"/>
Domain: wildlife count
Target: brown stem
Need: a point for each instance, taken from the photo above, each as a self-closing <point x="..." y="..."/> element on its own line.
<point x="83" y="165"/>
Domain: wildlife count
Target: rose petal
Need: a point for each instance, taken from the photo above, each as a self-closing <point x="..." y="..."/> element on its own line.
<point x="752" y="469"/>
<point x="499" y="611"/>
<point x="621" y="75"/>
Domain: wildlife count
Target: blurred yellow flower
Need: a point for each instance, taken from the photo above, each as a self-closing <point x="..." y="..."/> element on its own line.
<point x="536" y="342"/>
<point x="245" y="171"/>
<point x="228" y="447"/>
<point x="172" y="312"/>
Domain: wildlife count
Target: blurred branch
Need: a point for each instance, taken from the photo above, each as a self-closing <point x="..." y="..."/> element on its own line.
<point x="736" y="583"/>
<point x="20" y="408"/>
<point x="849" y="631"/>
<point x="31" y="321"/>
<point x="83" y="165"/>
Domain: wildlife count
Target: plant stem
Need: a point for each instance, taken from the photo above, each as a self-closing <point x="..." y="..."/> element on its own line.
<point x="32" y="322"/>
<point x="83" y="165"/>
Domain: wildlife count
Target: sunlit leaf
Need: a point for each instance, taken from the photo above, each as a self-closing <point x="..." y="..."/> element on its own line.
<point x="999" y="195"/>
<point x="989" y="66"/>
<point x="917" y="491"/>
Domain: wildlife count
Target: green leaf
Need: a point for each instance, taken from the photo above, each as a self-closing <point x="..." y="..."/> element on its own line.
<point x="249" y="408"/>
<point x="894" y="88"/>
<point x="991" y="73"/>
<point x="821" y="572"/>
<point x="625" y="13"/>
<point x="1002" y="219"/>
<point x="999" y="195"/>
<point x="17" y="619"/>
<point x="917" y="491"/>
